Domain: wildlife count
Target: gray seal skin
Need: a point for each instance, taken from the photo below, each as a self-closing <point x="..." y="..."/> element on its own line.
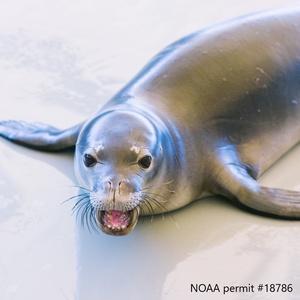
<point x="208" y="115"/>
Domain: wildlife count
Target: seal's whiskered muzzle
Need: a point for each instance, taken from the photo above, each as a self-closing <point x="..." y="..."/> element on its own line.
<point x="114" y="200"/>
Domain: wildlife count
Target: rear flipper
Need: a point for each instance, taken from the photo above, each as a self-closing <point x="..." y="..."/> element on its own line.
<point x="235" y="181"/>
<point x="39" y="136"/>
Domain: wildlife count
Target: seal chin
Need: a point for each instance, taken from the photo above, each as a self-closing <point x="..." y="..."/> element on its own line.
<point x="117" y="222"/>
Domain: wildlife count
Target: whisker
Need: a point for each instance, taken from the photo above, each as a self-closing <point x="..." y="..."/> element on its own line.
<point x="141" y="209"/>
<point x="83" y="214"/>
<point x="79" y="209"/>
<point x="74" y="197"/>
<point x="146" y="205"/>
<point x="86" y="217"/>
<point x="141" y="212"/>
<point x="164" y="183"/>
<point x="74" y="207"/>
<point x="93" y="220"/>
<point x="160" y="196"/>
<point x="156" y="187"/>
<point x="133" y="223"/>
<point x="156" y="195"/>
<point x="152" y="210"/>
<point x="85" y="210"/>
<point x="155" y="201"/>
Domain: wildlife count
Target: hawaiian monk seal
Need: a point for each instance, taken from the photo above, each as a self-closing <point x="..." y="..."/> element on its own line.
<point x="207" y="115"/>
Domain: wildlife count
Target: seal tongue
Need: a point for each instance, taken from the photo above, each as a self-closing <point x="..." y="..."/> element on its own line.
<point x="115" y="219"/>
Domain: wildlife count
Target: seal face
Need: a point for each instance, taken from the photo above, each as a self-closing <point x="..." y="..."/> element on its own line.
<point x="116" y="162"/>
<point x="208" y="115"/>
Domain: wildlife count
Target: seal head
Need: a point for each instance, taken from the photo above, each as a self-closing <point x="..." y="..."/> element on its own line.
<point x="118" y="154"/>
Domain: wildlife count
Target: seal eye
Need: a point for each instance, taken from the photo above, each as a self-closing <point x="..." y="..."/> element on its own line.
<point x="145" y="162"/>
<point x="89" y="160"/>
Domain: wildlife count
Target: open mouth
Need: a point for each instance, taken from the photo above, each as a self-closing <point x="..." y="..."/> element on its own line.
<point x="116" y="222"/>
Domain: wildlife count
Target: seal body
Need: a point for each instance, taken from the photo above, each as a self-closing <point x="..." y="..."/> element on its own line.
<point x="207" y="115"/>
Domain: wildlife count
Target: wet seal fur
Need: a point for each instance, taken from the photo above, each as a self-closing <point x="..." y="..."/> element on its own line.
<point x="207" y="115"/>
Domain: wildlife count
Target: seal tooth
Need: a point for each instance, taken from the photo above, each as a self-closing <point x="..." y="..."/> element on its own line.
<point x="108" y="226"/>
<point x="123" y="226"/>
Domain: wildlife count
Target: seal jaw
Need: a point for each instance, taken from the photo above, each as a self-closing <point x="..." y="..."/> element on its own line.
<point x="116" y="222"/>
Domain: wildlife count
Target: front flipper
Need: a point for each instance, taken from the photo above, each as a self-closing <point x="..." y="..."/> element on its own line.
<point x="39" y="136"/>
<point x="235" y="181"/>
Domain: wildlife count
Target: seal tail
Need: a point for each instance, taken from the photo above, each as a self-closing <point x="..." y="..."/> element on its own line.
<point x="234" y="181"/>
<point x="39" y="136"/>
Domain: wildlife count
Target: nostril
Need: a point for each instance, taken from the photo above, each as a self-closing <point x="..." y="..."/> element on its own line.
<point x="108" y="186"/>
<point x="119" y="189"/>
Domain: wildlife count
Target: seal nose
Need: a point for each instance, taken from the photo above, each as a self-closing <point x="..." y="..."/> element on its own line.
<point x="124" y="186"/>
